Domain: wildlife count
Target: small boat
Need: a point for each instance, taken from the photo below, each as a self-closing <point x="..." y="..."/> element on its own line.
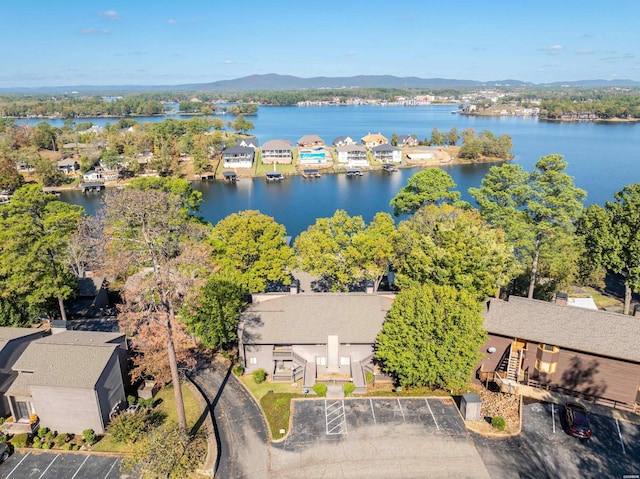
<point x="388" y="167"/>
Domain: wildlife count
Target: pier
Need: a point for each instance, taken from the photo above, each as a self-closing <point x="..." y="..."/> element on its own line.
<point x="353" y="172"/>
<point x="92" y="187"/>
<point x="311" y="173"/>
<point x="274" y="176"/>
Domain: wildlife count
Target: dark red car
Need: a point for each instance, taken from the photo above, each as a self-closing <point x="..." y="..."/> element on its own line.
<point x="577" y="420"/>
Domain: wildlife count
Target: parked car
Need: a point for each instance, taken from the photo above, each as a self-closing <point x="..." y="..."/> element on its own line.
<point x="577" y="419"/>
<point x="5" y="451"/>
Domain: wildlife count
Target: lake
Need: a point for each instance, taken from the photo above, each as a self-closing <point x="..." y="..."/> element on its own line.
<point x="602" y="157"/>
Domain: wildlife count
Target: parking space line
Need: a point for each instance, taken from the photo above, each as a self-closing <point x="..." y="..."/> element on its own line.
<point x="401" y="411"/>
<point x="85" y="460"/>
<point x="620" y="436"/>
<point x="335" y="418"/>
<point x="111" y="468"/>
<point x="553" y="416"/>
<point x="45" y="471"/>
<point x="373" y="412"/>
<point x="17" y="465"/>
<point x="434" y="418"/>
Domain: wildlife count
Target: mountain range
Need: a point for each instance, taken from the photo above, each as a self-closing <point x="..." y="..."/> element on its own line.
<point x="273" y="82"/>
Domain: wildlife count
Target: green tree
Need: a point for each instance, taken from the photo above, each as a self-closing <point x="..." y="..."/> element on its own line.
<point x="43" y="136"/>
<point x="324" y="249"/>
<point x="240" y="124"/>
<point x="10" y="179"/>
<point x="34" y="229"/>
<point x="446" y="245"/>
<point x="533" y="208"/>
<point x="428" y="186"/>
<point x="213" y="315"/>
<point x="254" y="245"/>
<point x="431" y="337"/>
<point x="612" y="237"/>
<point x="372" y="249"/>
<point x="166" y="451"/>
<point x="48" y="173"/>
<point x="452" y="136"/>
<point x="394" y="139"/>
<point x="437" y="138"/>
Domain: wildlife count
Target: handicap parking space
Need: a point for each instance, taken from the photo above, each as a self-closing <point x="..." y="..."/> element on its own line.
<point x="51" y="465"/>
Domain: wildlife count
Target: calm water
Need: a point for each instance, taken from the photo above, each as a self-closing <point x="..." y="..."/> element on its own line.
<point x="602" y="158"/>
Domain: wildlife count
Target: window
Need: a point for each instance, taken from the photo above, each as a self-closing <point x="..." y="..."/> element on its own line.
<point x="549" y="348"/>
<point x="345" y="361"/>
<point x="321" y="361"/>
<point x="253" y="360"/>
<point x="545" y="367"/>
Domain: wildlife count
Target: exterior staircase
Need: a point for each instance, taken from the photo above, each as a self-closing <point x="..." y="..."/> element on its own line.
<point x="513" y="366"/>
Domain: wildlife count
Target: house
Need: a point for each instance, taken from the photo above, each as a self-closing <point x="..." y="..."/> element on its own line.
<point x="308" y="141"/>
<point x="312" y="336"/>
<point x="92" y="175"/>
<point x="408" y="141"/>
<point x="375" y="139"/>
<point x="277" y="151"/>
<point x="352" y="155"/>
<point x="387" y="154"/>
<point x="68" y="166"/>
<point x="573" y="350"/>
<point x="13" y="342"/>
<point x="92" y="296"/>
<point x="343" y="141"/>
<point x="238" y="157"/>
<point x="250" y="141"/>
<point x="72" y="380"/>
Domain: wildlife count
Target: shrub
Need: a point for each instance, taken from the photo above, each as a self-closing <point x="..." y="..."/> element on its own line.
<point x="320" y="389"/>
<point x="369" y="377"/>
<point x="46" y="445"/>
<point x="37" y="445"/>
<point x="42" y="432"/>
<point x="499" y="423"/>
<point x="238" y="370"/>
<point x="89" y="436"/>
<point x="67" y="447"/>
<point x="2" y="420"/>
<point x="50" y="435"/>
<point x="3" y="438"/>
<point x="259" y="376"/>
<point x="61" y="439"/>
<point x="349" y="388"/>
<point x="131" y="400"/>
<point x="20" y="440"/>
<point x="147" y="403"/>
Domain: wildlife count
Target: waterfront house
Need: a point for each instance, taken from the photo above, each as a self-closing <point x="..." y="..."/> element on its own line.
<point x="344" y="141"/>
<point x="315" y="337"/>
<point x="408" y="141"/>
<point x="309" y="141"/>
<point x="251" y="142"/>
<point x="68" y="166"/>
<point x="71" y="380"/>
<point x="582" y="352"/>
<point x="352" y="155"/>
<point x="387" y="154"/>
<point x="92" y="175"/>
<point x="238" y="157"/>
<point x="277" y="151"/>
<point x="13" y="342"/>
<point x="375" y="139"/>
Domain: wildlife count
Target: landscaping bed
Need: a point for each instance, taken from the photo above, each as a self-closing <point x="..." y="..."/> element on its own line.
<point x="496" y="404"/>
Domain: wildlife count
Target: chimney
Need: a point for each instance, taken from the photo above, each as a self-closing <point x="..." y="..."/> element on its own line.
<point x="369" y="287"/>
<point x="562" y="298"/>
<point x="295" y="287"/>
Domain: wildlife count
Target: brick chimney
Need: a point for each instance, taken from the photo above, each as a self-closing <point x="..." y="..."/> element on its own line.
<point x="562" y="298"/>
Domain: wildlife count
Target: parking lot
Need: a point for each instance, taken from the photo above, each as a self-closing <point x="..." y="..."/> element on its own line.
<point x="377" y="438"/>
<point x="544" y="449"/>
<point x="43" y="465"/>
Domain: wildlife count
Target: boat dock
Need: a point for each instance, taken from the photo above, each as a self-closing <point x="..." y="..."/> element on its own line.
<point x="353" y="172"/>
<point x="230" y="176"/>
<point x="274" y="176"/>
<point x="207" y="176"/>
<point x="311" y="173"/>
<point x="388" y="167"/>
<point x="92" y="187"/>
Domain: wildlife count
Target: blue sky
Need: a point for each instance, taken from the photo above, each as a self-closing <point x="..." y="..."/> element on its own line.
<point x="139" y="42"/>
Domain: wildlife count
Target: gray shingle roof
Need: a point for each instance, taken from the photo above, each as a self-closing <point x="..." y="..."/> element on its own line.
<point x="310" y="318"/>
<point x="60" y="365"/>
<point x="598" y="332"/>
<point x="242" y="150"/>
<point x="310" y="139"/>
<point x="385" y="147"/>
<point x="90" y="286"/>
<point x="350" y="148"/>
<point x="9" y="334"/>
<point x="83" y="338"/>
<point x="276" y="145"/>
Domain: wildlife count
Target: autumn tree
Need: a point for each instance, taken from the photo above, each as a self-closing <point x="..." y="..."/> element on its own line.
<point x="34" y="230"/>
<point x="150" y="232"/>
<point x="429" y="186"/>
<point x="253" y="245"/>
<point x="10" y="178"/>
<point x="534" y="209"/>
<point x="446" y="245"/>
<point x="431" y="337"/>
<point x="612" y="237"/>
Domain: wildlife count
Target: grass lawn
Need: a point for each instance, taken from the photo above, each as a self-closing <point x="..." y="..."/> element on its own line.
<point x="166" y="406"/>
<point x="259" y="390"/>
<point x="277" y="409"/>
<point x="262" y="169"/>
<point x="600" y="299"/>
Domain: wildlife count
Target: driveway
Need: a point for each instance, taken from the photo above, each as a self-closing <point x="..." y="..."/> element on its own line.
<point x="243" y="440"/>
<point x="51" y="465"/>
<point x="545" y="450"/>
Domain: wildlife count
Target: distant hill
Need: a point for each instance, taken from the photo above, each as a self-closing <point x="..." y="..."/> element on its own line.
<point x="273" y="81"/>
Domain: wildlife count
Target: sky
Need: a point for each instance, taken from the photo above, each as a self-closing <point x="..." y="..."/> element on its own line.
<point x="171" y="42"/>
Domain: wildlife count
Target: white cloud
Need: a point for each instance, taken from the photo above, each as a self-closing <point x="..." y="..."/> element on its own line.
<point x="229" y="62"/>
<point x="171" y="21"/>
<point x="586" y="52"/>
<point x="94" y="31"/>
<point x="111" y="15"/>
<point x="552" y="49"/>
